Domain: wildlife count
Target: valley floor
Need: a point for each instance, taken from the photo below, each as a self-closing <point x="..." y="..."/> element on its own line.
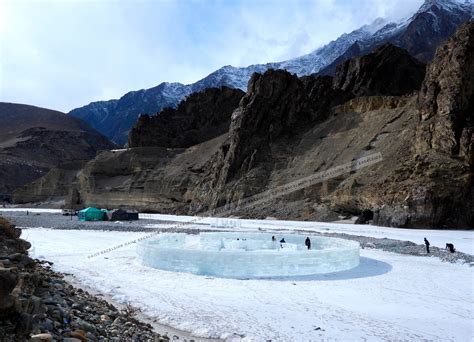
<point x="389" y="296"/>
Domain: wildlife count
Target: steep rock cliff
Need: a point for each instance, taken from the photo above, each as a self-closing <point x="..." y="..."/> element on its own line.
<point x="201" y="116"/>
<point x="438" y="180"/>
<point x="446" y="99"/>
<point x="388" y="70"/>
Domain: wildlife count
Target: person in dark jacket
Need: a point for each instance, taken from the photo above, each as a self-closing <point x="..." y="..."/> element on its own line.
<point x="282" y="241"/>
<point x="450" y="247"/>
<point x="307" y="243"/>
<point x="273" y="238"/>
<point x="427" y="244"/>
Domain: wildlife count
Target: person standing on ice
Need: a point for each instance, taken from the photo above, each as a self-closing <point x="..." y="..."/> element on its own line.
<point x="427" y="244"/>
<point x="282" y="241"/>
<point x="307" y="243"/>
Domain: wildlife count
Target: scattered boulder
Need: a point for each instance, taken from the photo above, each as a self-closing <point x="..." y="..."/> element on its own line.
<point x="41" y="338"/>
<point x="8" y="281"/>
<point x="365" y="217"/>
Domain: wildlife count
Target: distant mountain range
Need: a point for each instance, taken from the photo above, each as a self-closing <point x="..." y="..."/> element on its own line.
<point x="419" y="34"/>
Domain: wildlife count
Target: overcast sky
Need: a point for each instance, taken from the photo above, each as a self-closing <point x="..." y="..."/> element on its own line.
<point x="65" y="54"/>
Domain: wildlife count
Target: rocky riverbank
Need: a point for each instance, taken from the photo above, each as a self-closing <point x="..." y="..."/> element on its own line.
<point x="37" y="304"/>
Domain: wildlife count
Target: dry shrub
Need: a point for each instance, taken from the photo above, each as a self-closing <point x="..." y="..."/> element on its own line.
<point x="8" y="229"/>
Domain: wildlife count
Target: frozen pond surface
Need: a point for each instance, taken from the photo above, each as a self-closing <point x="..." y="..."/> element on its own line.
<point x="247" y="255"/>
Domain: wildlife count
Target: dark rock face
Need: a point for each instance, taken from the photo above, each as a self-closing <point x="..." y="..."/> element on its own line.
<point x="388" y="70"/>
<point x="446" y="99"/>
<point x="436" y="21"/>
<point x="353" y="51"/>
<point x="202" y="116"/>
<point x="277" y="107"/>
<point x="438" y="181"/>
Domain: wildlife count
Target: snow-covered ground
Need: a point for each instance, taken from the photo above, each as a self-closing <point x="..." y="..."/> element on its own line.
<point x="463" y="240"/>
<point x="388" y="297"/>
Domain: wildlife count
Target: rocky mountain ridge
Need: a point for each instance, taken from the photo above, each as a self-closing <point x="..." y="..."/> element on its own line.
<point x="33" y="140"/>
<point x="419" y="35"/>
<point x="202" y="116"/>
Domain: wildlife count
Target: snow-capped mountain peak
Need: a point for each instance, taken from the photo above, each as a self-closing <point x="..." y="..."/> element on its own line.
<point x="376" y="25"/>
<point x="449" y="5"/>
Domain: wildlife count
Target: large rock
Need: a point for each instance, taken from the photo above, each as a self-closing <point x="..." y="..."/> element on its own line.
<point x="200" y="117"/>
<point x="8" y="281"/>
<point x="388" y="70"/>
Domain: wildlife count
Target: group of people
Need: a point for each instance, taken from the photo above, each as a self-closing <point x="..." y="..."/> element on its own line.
<point x="307" y="242"/>
<point x="449" y="247"/>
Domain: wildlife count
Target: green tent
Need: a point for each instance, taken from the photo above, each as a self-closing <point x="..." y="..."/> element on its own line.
<point x="91" y="214"/>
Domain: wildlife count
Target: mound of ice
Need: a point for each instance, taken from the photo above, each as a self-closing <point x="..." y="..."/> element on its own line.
<point x="245" y="255"/>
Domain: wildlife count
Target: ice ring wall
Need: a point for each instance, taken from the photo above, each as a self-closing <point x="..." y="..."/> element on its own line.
<point x="247" y="255"/>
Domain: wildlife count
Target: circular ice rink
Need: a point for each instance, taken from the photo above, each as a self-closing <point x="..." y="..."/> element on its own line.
<point x="248" y="255"/>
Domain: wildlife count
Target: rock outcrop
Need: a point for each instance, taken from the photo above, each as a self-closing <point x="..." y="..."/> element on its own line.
<point x="388" y="70"/>
<point x="277" y="107"/>
<point x="438" y="181"/>
<point x="446" y="99"/>
<point x="200" y="117"/>
<point x="54" y="187"/>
